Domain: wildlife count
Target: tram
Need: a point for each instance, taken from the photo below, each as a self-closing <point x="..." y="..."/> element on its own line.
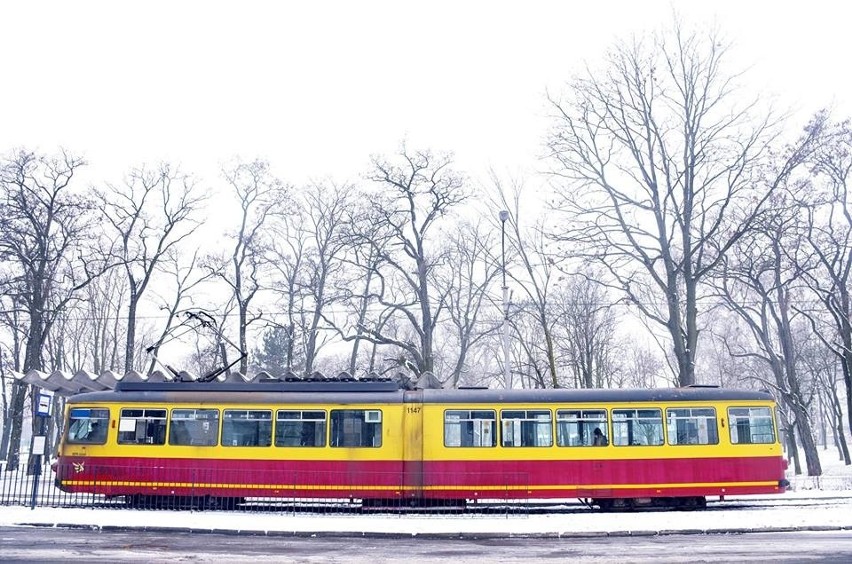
<point x="376" y="443"/>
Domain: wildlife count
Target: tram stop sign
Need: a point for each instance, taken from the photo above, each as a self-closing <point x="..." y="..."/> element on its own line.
<point x="45" y="403"/>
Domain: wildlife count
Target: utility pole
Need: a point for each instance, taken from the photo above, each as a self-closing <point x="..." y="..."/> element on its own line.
<point x="507" y="373"/>
<point x="43" y="405"/>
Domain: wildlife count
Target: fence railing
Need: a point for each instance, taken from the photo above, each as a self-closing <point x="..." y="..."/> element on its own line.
<point x="191" y="488"/>
<point x="259" y="491"/>
<point x="824" y="483"/>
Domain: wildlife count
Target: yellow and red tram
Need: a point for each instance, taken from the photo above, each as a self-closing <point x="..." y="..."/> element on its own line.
<point x="373" y="441"/>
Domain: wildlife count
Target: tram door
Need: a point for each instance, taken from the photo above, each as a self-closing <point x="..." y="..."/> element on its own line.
<point x="412" y="449"/>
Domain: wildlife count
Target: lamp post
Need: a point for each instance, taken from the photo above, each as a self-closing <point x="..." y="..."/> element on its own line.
<point x="507" y="374"/>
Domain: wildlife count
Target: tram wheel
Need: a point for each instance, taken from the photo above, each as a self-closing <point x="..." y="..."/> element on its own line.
<point x="604" y="505"/>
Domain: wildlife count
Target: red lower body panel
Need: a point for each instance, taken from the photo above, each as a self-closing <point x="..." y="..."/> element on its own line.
<point x="682" y="477"/>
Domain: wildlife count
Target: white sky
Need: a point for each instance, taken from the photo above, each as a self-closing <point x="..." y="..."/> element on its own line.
<point x="317" y="87"/>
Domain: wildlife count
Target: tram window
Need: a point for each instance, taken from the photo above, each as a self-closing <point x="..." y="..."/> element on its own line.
<point x="527" y="428"/>
<point x="356" y="428"/>
<point x="300" y="428"/>
<point x="637" y="427"/>
<point x="751" y="425"/>
<point x="692" y="426"/>
<point x="142" y="426"/>
<point x="246" y="427"/>
<point x="194" y="427"/>
<point x="576" y="427"/>
<point x="470" y="428"/>
<point x="87" y="426"/>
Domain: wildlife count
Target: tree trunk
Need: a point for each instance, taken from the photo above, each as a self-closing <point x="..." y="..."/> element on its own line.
<point x="847" y="376"/>
<point x="808" y="443"/>
<point x="6" y="412"/>
<point x="837" y="426"/>
<point x="551" y="357"/>
<point x="32" y="361"/>
<point x="844" y="324"/>
<point x="793" y="450"/>
<point x="309" y="352"/>
<point x="588" y="368"/>
<point x="310" y="349"/>
<point x="224" y="353"/>
<point x="362" y="315"/>
<point x="353" y="356"/>
<point x="243" y="344"/>
<point x="687" y="377"/>
<point x="840" y="439"/>
<point x="16" y="418"/>
<point x="130" y="344"/>
<point x="371" y="366"/>
<point x="795" y="397"/>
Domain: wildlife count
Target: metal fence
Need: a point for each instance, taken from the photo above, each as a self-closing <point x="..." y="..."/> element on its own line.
<point x="36" y="487"/>
<point x="824" y="483"/>
<point x="30" y="487"/>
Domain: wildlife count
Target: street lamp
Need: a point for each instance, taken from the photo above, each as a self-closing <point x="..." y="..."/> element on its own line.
<point x="507" y="374"/>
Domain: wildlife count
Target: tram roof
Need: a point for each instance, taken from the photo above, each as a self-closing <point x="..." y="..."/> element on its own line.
<point x="390" y="392"/>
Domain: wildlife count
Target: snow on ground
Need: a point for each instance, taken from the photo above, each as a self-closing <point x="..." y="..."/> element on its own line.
<point x="813" y="504"/>
<point x="796" y="510"/>
<point x="835" y="474"/>
<point x="832" y="465"/>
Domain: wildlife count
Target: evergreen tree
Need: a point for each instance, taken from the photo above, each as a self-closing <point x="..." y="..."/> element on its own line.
<point x="271" y="357"/>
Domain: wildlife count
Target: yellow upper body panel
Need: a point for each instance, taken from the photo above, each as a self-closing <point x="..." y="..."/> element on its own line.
<point x="435" y="444"/>
<point x="416" y="431"/>
<point x="391" y="444"/>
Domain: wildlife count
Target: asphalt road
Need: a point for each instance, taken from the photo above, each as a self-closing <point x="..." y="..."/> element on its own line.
<point x="30" y="544"/>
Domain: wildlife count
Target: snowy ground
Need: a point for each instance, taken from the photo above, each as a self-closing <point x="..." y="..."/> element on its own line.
<point x="835" y="475"/>
<point x="796" y="510"/>
<point x="805" y="508"/>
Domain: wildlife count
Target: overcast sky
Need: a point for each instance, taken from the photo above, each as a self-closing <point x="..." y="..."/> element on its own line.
<point x="317" y="87"/>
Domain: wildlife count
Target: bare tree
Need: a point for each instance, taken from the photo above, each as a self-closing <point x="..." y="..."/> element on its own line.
<point x="211" y="349"/>
<point x="636" y="365"/>
<point x="364" y="260"/>
<point x="151" y="214"/>
<point x="8" y="361"/>
<point x="46" y="239"/>
<point x="821" y="363"/>
<point x="326" y="229"/>
<point x="468" y="280"/>
<point x="528" y="351"/>
<point x="760" y="281"/>
<point x="538" y="269"/>
<point x="726" y="333"/>
<point x="12" y="346"/>
<point x="659" y="173"/>
<point x="308" y="255"/>
<point x="186" y="277"/>
<point x="260" y="196"/>
<point x="289" y="251"/>
<point x="14" y="324"/>
<point x="102" y="330"/>
<point x="417" y="190"/>
<point x="587" y="318"/>
<point x="829" y="236"/>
